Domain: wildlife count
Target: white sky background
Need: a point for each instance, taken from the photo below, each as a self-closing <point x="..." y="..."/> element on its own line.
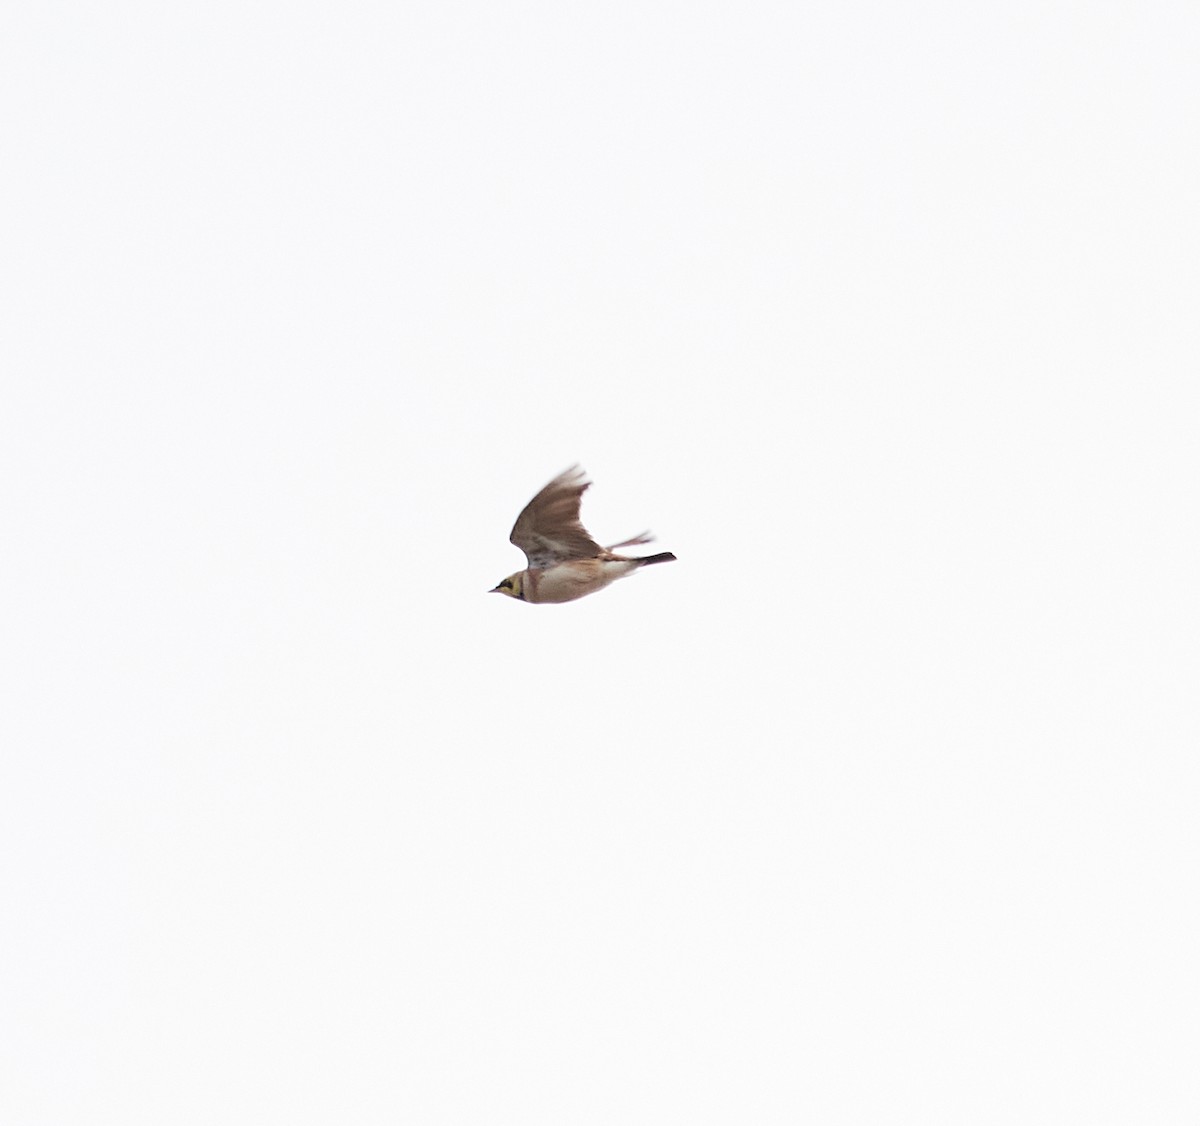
<point x="879" y="806"/>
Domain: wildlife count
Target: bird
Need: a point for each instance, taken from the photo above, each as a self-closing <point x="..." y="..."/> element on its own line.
<point x="564" y="562"/>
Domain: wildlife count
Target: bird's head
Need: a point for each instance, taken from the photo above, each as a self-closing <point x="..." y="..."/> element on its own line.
<point x="513" y="586"/>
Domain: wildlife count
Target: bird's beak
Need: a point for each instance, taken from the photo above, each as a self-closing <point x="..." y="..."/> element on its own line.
<point x="494" y="590"/>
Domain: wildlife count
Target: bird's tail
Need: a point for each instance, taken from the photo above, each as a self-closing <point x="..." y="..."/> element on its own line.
<point x="661" y="557"/>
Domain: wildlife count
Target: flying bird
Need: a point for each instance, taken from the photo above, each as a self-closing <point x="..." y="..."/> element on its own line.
<point x="564" y="562"/>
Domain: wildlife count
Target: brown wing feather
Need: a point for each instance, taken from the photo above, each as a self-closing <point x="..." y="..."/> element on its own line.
<point x="548" y="529"/>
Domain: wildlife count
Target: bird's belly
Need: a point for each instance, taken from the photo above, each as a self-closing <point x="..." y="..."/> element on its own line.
<point x="564" y="582"/>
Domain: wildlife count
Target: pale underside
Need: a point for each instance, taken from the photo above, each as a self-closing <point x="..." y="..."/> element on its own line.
<point x="572" y="579"/>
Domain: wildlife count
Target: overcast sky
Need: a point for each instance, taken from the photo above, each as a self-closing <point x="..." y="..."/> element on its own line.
<point x="878" y="806"/>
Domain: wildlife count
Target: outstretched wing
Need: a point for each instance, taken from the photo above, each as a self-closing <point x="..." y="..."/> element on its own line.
<point x="548" y="529"/>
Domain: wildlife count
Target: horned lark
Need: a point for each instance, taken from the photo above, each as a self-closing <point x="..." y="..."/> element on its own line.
<point x="565" y="563"/>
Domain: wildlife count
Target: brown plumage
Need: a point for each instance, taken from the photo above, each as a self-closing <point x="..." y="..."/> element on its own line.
<point x="564" y="562"/>
<point x="548" y="529"/>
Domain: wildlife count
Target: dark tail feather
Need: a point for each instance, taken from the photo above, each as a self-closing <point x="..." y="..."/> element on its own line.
<point x="661" y="557"/>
